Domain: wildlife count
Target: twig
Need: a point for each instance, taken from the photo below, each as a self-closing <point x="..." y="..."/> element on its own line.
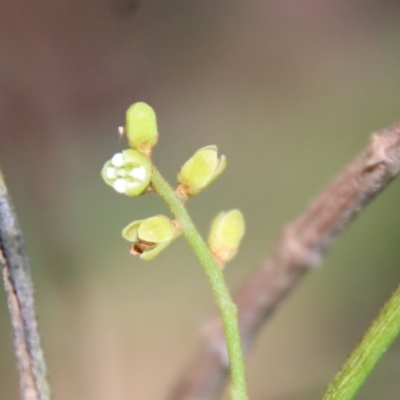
<point x="301" y="247"/>
<point x="18" y="286"/>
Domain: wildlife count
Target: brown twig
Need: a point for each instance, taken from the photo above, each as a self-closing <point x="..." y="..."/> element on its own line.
<point x="301" y="247"/>
<point x="18" y="286"/>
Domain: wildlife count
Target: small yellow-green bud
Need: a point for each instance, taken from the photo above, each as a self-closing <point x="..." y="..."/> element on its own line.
<point x="141" y="127"/>
<point x="200" y="170"/>
<point x="226" y="232"/>
<point x="128" y="172"/>
<point x="150" y="236"/>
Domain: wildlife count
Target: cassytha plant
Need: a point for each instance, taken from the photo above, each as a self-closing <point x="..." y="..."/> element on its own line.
<point x="132" y="172"/>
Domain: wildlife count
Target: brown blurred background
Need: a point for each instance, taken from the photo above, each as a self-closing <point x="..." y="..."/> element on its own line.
<point x="289" y="90"/>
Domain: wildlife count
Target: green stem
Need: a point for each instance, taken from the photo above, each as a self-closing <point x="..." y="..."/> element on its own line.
<point x="362" y="360"/>
<point x="227" y="309"/>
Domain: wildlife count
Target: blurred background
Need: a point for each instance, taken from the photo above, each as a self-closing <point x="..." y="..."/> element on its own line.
<point x="290" y="91"/>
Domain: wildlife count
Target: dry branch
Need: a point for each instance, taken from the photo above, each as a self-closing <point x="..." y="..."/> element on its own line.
<point x="301" y="247"/>
<point x="19" y="290"/>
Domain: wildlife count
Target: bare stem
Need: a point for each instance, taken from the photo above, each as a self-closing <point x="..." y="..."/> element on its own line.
<point x="364" y="357"/>
<point x="227" y="308"/>
<point x="301" y="247"/>
<point x="19" y="289"/>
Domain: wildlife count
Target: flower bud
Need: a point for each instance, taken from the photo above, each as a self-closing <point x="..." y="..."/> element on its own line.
<point x="150" y="236"/>
<point x="226" y="232"/>
<point x="128" y="172"/>
<point x="200" y="170"/>
<point x="141" y="127"/>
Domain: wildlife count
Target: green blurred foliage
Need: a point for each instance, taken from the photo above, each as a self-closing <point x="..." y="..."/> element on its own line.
<point x="289" y="91"/>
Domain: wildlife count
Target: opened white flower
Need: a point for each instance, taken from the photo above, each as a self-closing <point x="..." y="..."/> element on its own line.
<point x="128" y="172"/>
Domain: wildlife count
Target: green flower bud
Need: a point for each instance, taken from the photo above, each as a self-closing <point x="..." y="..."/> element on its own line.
<point x="200" y="170"/>
<point x="226" y="232"/>
<point x="141" y="127"/>
<point x="150" y="236"/>
<point x="128" y="172"/>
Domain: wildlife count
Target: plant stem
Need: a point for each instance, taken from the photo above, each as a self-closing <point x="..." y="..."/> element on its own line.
<point x="362" y="360"/>
<point x="19" y="289"/>
<point x="227" y="308"/>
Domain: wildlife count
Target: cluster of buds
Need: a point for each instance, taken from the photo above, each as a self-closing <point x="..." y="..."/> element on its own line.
<point x="129" y="172"/>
